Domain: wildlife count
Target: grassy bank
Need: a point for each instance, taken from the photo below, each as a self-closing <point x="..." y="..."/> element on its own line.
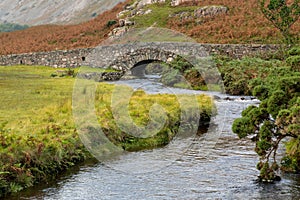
<point x="37" y="134"/>
<point x="38" y="137"/>
<point x="170" y="112"/>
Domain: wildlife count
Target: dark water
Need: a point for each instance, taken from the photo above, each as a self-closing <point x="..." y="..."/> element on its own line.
<point x="199" y="167"/>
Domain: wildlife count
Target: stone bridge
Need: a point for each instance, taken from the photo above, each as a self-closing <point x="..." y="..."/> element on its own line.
<point x="124" y="57"/>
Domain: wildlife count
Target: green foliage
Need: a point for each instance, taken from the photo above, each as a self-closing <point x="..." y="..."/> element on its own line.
<point x="9" y="27"/>
<point x="237" y="75"/>
<point x="171" y="77"/>
<point x="180" y="73"/>
<point x="277" y="117"/>
<point x="111" y="23"/>
<point x="294" y="58"/>
<point x="294" y="51"/>
<point x="281" y="15"/>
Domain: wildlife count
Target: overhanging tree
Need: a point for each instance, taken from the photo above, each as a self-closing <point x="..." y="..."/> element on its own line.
<point x="276" y="119"/>
<point x="282" y="15"/>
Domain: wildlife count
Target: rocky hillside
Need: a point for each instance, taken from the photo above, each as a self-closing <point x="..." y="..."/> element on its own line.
<point x="36" y="12"/>
<point x="206" y="21"/>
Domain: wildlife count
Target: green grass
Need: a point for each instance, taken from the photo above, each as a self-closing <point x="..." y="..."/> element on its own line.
<point x="159" y="15"/>
<point x="38" y="136"/>
<point x="139" y="108"/>
<point x="87" y="69"/>
<point x="25" y="90"/>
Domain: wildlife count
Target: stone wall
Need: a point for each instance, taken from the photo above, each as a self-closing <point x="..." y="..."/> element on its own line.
<point x="78" y="57"/>
<point x="57" y="59"/>
<point x="240" y="50"/>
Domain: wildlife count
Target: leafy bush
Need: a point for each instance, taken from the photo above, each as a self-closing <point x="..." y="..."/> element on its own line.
<point x="282" y="15"/>
<point x="294" y="62"/>
<point x="294" y="51"/>
<point x="111" y="23"/>
<point x="294" y="58"/>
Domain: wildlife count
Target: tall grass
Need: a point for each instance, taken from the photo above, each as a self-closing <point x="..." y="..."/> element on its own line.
<point x="38" y="136"/>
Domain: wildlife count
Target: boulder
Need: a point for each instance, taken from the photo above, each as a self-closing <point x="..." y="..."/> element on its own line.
<point x="118" y="31"/>
<point x="121" y="22"/>
<point x="125" y="22"/>
<point x="122" y="14"/>
<point x="209" y="11"/>
<point x="128" y="22"/>
<point x="177" y="2"/>
<point x="142" y="3"/>
<point x="143" y="12"/>
<point x="183" y="15"/>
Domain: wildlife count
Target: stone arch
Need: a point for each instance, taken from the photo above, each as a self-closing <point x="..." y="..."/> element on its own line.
<point x="123" y="57"/>
<point x="130" y="59"/>
<point x="139" y="68"/>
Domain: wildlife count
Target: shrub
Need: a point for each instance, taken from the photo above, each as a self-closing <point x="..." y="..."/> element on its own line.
<point x="111" y="23"/>
<point x="276" y="118"/>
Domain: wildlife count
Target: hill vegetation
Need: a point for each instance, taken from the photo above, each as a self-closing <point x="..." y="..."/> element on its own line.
<point x="243" y="23"/>
<point x="53" y="37"/>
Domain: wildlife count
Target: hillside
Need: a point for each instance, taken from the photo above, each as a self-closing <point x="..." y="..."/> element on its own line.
<point x="241" y="23"/>
<point x="52" y="37"/>
<point x="37" y="12"/>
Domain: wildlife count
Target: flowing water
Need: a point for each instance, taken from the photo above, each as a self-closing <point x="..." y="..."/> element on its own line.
<point x="222" y="167"/>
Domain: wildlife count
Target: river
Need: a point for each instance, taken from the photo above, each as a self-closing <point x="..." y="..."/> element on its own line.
<point x="185" y="169"/>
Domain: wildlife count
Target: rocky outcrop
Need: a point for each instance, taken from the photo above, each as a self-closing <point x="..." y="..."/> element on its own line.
<point x="202" y="12"/>
<point x="178" y="2"/>
<point x="210" y="11"/>
<point x="142" y="3"/>
<point x="125" y="16"/>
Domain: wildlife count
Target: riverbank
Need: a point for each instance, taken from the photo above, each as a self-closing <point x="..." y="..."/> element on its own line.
<point x="39" y="138"/>
<point x="175" y="171"/>
<point x="238" y="74"/>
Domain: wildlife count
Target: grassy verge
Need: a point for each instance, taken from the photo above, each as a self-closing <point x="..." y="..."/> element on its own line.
<point x="38" y="137"/>
<point x="139" y="111"/>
